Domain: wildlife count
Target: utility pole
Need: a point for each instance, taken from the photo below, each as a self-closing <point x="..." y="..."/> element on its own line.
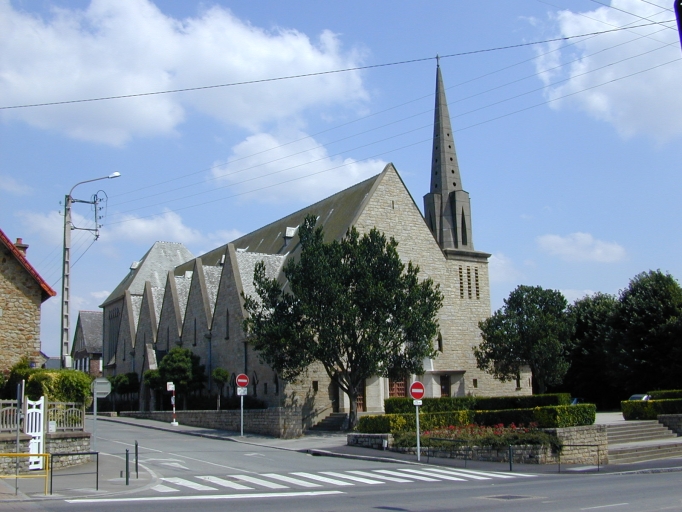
<point x="66" y="259"/>
<point x="678" y="14"/>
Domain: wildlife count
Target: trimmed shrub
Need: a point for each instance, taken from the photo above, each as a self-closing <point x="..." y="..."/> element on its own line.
<point x="649" y="409"/>
<point x="665" y="394"/>
<point x="403" y="405"/>
<point x="381" y="424"/>
<point x="565" y="415"/>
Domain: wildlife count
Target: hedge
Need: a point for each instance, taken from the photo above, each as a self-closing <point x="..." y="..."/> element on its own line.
<point x="545" y="417"/>
<point x="649" y="409"/>
<point x="495" y="403"/>
<point x="665" y="394"/>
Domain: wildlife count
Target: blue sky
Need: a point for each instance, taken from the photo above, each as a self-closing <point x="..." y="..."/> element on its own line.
<point x="570" y="149"/>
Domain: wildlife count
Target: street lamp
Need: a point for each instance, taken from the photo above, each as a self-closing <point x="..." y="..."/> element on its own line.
<point x="66" y="260"/>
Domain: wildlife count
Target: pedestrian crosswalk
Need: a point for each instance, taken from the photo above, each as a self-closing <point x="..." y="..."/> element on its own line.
<point x="306" y="479"/>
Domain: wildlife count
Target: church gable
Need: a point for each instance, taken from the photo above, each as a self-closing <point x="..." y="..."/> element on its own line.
<point x="168" y="332"/>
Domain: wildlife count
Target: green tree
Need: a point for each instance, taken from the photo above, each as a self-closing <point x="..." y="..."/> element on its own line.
<point x="352" y="306"/>
<point x="221" y="377"/>
<point x="181" y="367"/>
<point x="592" y="374"/>
<point x="152" y="378"/>
<point x="531" y="329"/>
<point x="648" y="325"/>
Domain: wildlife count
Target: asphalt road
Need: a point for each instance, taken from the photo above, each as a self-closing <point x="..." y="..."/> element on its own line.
<point x="179" y="472"/>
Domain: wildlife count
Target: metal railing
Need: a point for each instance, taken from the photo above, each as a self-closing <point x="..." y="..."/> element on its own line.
<point x="8" y="415"/>
<point x="67" y="416"/>
<point x="96" y="454"/>
<point x="32" y="473"/>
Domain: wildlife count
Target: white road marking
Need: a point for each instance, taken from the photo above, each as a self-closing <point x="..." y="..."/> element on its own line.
<point x="426" y="473"/>
<point x="225" y="483"/>
<point x="164" y="488"/>
<point x="414" y="477"/>
<point x="383" y="477"/>
<point x="322" y="479"/>
<point x="353" y="478"/>
<point x="258" y="481"/>
<point x="458" y="473"/>
<point x="174" y="465"/>
<point x="188" y="483"/>
<point x="291" y="480"/>
<point x="492" y="474"/>
<point x="209" y="497"/>
<point x="605" y="506"/>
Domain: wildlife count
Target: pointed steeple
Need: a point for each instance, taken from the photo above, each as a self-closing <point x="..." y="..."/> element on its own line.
<point x="446" y="207"/>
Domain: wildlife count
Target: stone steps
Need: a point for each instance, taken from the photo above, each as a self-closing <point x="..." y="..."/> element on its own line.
<point x="639" y="441"/>
<point x="332" y="423"/>
<point x="624" y="454"/>
<point x="637" y="431"/>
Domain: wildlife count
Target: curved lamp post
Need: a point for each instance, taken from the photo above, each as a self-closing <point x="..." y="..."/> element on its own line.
<point x="66" y="263"/>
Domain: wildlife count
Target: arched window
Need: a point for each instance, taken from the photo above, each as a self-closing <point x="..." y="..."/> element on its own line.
<point x="464" y="230"/>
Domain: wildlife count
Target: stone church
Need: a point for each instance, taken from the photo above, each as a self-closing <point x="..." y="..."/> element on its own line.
<point x="197" y="302"/>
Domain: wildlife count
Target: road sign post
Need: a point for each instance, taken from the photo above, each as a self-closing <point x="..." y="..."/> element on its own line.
<point x="242" y="381"/>
<point x="417" y="391"/>
<point x="100" y="387"/>
<point x="171" y="387"/>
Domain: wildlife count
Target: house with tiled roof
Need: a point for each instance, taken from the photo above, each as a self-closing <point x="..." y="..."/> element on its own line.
<point x="86" y="350"/>
<point x="22" y="292"/>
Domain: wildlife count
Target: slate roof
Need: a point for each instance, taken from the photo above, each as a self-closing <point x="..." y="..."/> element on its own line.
<point x="153" y="267"/>
<point x="91" y="325"/>
<point x="47" y="290"/>
<point x="336" y="214"/>
<point x="157" y="295"/>
<point x="246" y="261"/>
<point x="182" y="284"/>
<point x="212" y="277"/>
<point x="136" y="302"/>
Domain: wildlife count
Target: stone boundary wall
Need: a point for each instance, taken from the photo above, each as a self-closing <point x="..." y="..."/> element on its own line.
<point x="586" y="435"/>
<point x="284" y="422"/>
<point x="68" y="442"/>
<point x="672" y="421"/>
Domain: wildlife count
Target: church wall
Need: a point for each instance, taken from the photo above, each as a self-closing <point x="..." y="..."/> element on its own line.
<point x="168" y="331"/>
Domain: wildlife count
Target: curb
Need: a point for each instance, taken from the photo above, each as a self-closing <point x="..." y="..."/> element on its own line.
<point x="327" y="453"/>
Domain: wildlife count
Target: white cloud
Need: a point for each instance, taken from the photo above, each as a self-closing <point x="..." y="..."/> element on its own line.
<point x="101" y="295"/>
<point x="50" y="226"/>
<point x="263" y="160"/>
<point x="12" y="186"/>
<point x="117" y="47"/>
<point x="573" y="295"/>
<point x="167" y="227"/>
<point x="503" y="270"/>
<point x="648" y="103"/>
<point x="581" y="247"/>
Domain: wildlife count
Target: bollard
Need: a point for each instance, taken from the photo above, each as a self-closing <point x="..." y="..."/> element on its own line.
<point x="137" y="471"/>
<point x="127" y="467"/>
<point x="511" y="458"/>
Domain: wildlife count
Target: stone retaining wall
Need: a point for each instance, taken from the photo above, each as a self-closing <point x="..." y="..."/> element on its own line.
<point x="588" y="435"/>
<point x="68" y="442"/>
<point x="672" y="421"/>
<point x="282" y="422"/>
<point x="8" y="444"/>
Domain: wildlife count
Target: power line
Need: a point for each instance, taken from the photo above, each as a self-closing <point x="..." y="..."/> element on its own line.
<point x="320" y="73"/>
<point x="196" y="205"/>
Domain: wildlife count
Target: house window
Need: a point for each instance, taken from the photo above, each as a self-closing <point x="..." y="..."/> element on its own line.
<point x="445" y="385"/>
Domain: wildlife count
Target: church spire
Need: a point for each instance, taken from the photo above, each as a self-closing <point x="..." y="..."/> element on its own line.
<point x="446" y="207"/>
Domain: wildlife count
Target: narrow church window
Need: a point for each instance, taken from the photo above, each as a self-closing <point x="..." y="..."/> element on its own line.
<point x="464" y="229"/>
<point x="478" y="292"/>
<point x="451" y="159"/>
<point x="315" y="386"/>
<point x="393" y="204"/>
<point x="469" y="281"/>
<point x="194" y="342"/>
<point x="265" y="388"/>
<point x="440" y="342"/>
<point x="227" y="323"/>
<point x="461" y="283"/>
<point x="167" y="338"/>
<point x="475" y="383"/>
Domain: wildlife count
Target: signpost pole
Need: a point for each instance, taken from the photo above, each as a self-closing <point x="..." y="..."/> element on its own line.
<point x="175" y="421"/>
<point x="241" y="419"/>
<point x="242" y="382"/>
<point x="94" y="422"/>
<point x="419" y="451"/>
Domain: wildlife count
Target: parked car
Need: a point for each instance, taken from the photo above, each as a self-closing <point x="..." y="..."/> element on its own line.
<point x="639" y="397"/>
<point x="576" y="401"/>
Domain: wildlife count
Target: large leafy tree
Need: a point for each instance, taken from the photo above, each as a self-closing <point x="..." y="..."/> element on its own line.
<point x="181" y="367"/>
<point x="531" y="329"/>
<point x="351" y="305"/>
<point x="592" y="374"/>
<point x="648" y="324"/>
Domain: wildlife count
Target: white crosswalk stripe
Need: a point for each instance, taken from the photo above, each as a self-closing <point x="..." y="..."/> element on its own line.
<point x="353" y="478"/>
<point x="383" y="477"/>
<point x="408" y="475"/>
<point x="225" y="483"/>
<point x="322" y="479"/>
<point x="414" y="477"/>
<point x="291" y="480"/>
<point x="188" y="483"/>
<point x="427" y="473"/>
<point x="259" y="481"/>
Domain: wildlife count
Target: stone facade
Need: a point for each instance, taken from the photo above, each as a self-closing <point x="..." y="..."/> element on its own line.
<point x="68" y="442"/>
<point x="8" y="444"/>
<point x="285" y="422"/>
<point x="22" y="291"/>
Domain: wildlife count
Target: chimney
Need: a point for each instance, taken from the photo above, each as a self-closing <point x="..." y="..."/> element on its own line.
<point x="21" y="246"/>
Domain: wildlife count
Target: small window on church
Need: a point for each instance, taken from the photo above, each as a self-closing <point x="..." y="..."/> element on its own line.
<point x="465" y="240"/>
<point x="451" y="159"/>
<point x="440" y="342"/>
<point x="265" y="388"/>
<point x="478" y="292"/>
<point x="469" y="281"/>
<point x="316" y="386"/>
<point x="475" y="383"/>
<point x="461" y="284"/>
<point x="393" y="204"/>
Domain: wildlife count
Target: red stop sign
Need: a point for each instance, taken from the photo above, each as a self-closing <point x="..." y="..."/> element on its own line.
<point x="242" y="380"/>
<point x="417" y="390"/>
